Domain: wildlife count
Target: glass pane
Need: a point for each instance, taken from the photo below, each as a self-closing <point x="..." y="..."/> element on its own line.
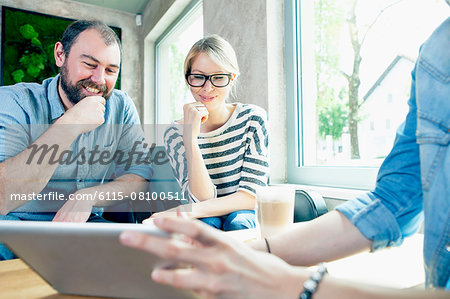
<point x="172" y="91"/>
<point x="356" y="61"/>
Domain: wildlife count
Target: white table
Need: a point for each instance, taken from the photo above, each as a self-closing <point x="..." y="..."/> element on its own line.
<point x="397" y="267"/>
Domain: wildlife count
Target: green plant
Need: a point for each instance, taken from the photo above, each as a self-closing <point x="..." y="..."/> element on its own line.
<point x="32" y="62"/>
<point x="29" y="40"/>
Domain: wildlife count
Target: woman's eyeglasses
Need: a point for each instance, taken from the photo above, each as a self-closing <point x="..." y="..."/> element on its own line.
<point x="218" y="80"/>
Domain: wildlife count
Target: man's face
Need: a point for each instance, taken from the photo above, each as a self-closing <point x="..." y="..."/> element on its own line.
<point x="90" y="69"/>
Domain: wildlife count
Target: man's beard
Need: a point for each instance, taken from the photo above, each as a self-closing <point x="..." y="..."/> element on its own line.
<point x="75" y="92"/>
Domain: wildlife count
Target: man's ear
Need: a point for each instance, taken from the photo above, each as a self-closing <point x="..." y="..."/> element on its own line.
<point x="59" y="53"/>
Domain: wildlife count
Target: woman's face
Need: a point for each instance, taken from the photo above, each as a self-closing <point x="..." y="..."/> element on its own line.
<point x="212" y="97"/>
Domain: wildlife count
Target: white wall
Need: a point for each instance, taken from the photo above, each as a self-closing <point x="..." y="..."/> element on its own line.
<point x="255" y="29"/>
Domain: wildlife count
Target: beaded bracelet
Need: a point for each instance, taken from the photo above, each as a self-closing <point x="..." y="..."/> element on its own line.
<point x="310" y="286"/>
<point x="267" y="245"/>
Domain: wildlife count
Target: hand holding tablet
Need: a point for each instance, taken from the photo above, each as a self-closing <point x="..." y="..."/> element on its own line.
<point x="88" y="259"/>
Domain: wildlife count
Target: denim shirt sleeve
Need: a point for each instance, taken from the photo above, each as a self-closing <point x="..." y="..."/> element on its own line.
<point x="394" y="209"/>
<point x="132" y="140"/>
<point x="433" y="137"/>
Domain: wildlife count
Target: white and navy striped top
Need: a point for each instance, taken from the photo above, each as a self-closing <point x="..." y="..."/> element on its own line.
<point x="235" y="155"/>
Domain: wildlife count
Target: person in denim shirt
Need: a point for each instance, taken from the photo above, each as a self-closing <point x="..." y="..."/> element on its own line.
<point x="413" y="183"/>
<point x="82" y="121"/>
<point x="416" y="174"/>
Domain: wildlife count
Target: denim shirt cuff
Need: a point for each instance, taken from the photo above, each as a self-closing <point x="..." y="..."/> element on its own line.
<point x="373" y="220"/>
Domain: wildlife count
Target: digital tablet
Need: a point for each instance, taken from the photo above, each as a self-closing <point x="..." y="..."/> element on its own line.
<point x="88" y="259"/>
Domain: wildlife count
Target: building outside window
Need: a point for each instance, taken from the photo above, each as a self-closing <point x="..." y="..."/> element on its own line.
<point x="344" y="59"/>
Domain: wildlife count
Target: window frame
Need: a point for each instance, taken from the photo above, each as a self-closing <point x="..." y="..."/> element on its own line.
<point x="187" y="13"/>
<point x="337" y="176"/>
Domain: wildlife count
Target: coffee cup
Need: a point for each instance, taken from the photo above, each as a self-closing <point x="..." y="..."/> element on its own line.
<point x="275" y="209"/>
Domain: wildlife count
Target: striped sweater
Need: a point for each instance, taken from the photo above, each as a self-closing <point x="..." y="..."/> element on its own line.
<point x="235" y="155"/>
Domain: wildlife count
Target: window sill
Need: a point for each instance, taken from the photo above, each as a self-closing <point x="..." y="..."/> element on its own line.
<point x="331" y="192"/>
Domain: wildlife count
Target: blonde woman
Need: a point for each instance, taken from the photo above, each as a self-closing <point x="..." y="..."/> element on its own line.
<point x="218" y="151"/>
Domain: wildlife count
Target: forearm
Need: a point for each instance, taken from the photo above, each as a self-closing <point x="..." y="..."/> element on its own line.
<point x="200" y="182"/>
<point x="239" y="200"/>
<point x="331" y="287"/>
<point x="329" y="237"/>
<point x="29" y="171"/>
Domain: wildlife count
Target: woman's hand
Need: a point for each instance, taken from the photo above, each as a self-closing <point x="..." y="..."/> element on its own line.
<point x="164" y="214"/>
<point x="221" y="267"/>
<point x="77" y="210"/>
<point x="184" y="211"/>
<point x="195" y="114"/>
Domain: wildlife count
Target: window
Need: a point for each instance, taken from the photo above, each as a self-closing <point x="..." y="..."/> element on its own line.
<point x="323" y="59"/>
<point x="389" y="98"/>
<point x="170" y="50"/>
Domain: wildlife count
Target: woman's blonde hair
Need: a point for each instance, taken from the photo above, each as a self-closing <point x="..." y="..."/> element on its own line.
<point x="218" y="49"/>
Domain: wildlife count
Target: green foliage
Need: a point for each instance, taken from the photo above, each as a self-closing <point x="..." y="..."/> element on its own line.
<point x="36" y="42"/>
<point x="28" y="44"/>
<point x="18" y="75"/>
<point x="332" y="113"/>
<point x="329" y="19"/>
<point x="28" y="32"/>
<point x="178" y="89"/>
<point x="34" y="63"/>
<point x="333" y="120"/>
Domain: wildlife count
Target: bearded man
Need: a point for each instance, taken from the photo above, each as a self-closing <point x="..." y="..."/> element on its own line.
<point x="63" y="143"/>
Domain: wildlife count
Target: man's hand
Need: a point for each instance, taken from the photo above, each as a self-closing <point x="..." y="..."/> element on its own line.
<point x="87" y="114"/>
<point x="74" y="211"/>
